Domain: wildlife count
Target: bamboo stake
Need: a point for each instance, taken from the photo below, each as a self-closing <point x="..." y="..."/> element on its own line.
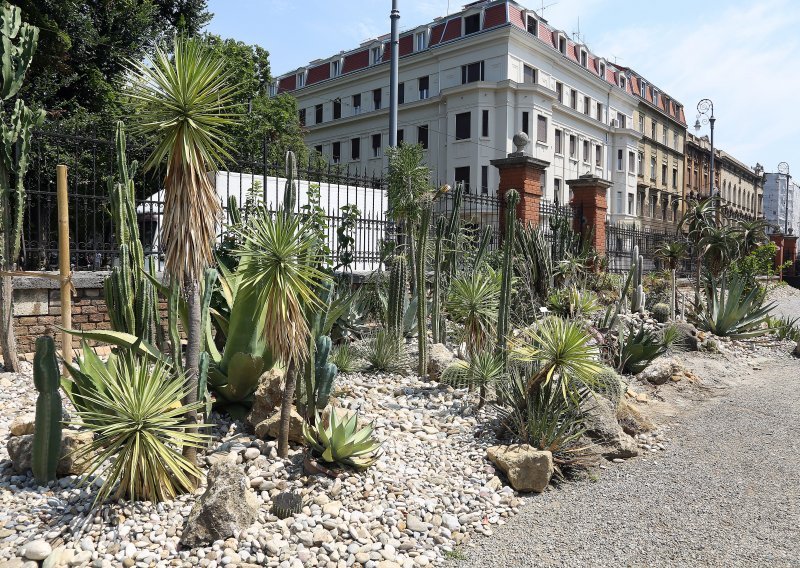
<point x="63" y="262"/>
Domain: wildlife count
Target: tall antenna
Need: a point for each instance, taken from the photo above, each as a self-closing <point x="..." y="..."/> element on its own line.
<point x="542" y="9"/>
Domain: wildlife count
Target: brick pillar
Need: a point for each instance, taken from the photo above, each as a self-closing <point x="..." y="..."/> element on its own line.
<point x="524" y="174"/>
<point x="590" y="205"/>
<point x="790" y="253"/>
<point x="777" y="238"/>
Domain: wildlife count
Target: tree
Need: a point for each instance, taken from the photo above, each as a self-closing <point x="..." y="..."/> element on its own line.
<point x="698" y="220"/>
<point x="672" y="253"/>
<point x="185" y="98"/>
<point x="751" y="235"/>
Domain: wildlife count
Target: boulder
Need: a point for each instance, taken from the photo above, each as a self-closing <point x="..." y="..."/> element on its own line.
<point x="659" y="371"/>
<point x="71" y="462"/>
<point x="796" y="351"/>
<point x="267" y="397"/>
<point x="527" y="468"/>
<point x="439" y="357"/>
<point x="270" y="427"/>
<point x="687" y="338"/>
<point x="602" y="427"/>
<point x="23" y="425"/>
<point x="227" y="507"/>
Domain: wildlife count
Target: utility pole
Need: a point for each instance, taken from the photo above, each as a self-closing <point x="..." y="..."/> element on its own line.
<point x="393" y="77"/>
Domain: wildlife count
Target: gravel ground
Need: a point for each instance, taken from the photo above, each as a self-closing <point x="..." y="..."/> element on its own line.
<point x="726" y="494"/>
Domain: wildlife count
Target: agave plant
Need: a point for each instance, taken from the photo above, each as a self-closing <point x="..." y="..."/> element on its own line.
<point x="345" y="358"/>
<point x="638" y="348"/>
<point x="342" y="442"/>
<point x="134" y="410"/>
<point x="733" y="311"/>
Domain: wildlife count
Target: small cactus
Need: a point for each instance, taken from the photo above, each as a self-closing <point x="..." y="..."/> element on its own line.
<point x="287" y="504"/>
<point x="437" y="330"/>
<point x="47" y="431"/>
<point x="661" y="312"/>
<point x="610" y="385"/>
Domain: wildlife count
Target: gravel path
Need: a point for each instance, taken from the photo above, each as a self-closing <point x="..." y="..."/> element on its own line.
<point x="727" y="493"/>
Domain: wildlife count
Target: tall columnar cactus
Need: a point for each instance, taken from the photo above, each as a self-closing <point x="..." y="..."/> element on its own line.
<point x="437" y="320"/>
<point x="18" y="42"/>
<point x="396" y="297"/>
<point x="47" y="431"/>
<point x="421" y="289"/>
<point x="290" y="189"/>
<point x="512" y="197"/>
<point x="637" y="296"/>
<point x="314" y="390"/>
<point x="453" y="230"/>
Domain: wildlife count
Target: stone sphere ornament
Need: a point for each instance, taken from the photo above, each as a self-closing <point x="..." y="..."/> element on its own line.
<point x="520" y="140"/>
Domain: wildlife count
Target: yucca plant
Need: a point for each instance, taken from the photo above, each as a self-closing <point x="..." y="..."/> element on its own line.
<point x="637" y="348"/>
<point x="482" y="370"/>
<point x="672" y="254"/>
<point x="345" y="359"/>
<point x="342" y="442"/>
<point x="570" y="302"/>
<point x="732" y="311"/>
<point x="136" y="415"/>
<point x="387" y="353"/>
<point x="698" y="220"/>
<point x="473" y="302"/>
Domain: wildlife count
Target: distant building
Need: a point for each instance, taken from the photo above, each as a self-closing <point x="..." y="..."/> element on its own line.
<point x="775" y="206"/>
<point x="469" y="82"/>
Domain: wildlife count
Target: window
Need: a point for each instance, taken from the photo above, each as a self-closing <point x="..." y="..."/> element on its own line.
<point x="533" y="25"/>
<point x="401" y="93"/>
<point x="602" y="67"/>
<point x="632" y="162"/>
<point x="619" y="160"/>
<point x="675" y="140"/>
<point x="557" y="189"/>
<point x="462" y="176"/>
<point x="376" y="98"/>
<point x="560" y="92"/>
<point x="317" y="114"/>
<point x="630" y="204"/>
<point x="664" y="209"/>
<point x="421" y="40"/>
<point x="337" y="108"/>
<point x="472" y="72"/>
<point x="273" y="89"/>
<point x="336" y="68"/>
<point x="301" y="115"/>
<point x="401" y="136"/>
<point x="376" y="54"/>
<point x="619" y="202"/>
<point x="655" y="97"/>
<point x="622" y="82"/>
<point x="356" y="104"/>
<point x="664" y="135"/>
<point x="526" y="122"/>
<point x="336" y="153"/>
<point x="572" y="146"/>
<point x="675" y="178"/>
<point x="562" y="45"/>
<point x="376" y="145"/>
<point x="573" y="99"/>
<point x="484" y="179"/>
<point x="598" y="155"/>
<point x="653" y="128"/>
<point x="621" y="118"/>
<point x="641" y="123"/>
<point x="652" y="167"/>
<point x="355" y="148"/>
<point x="600" y="112"/>
<point x="301" y="80"/>
<point x="472" y="24"/>
<point x="583" y="58"/>
<point x="559" y="142"/>
<point x="643" y="89"/>
<point x="529" y="75"/>
<point x="664" y="174"/>
<point x="587" y="103"/>
<point x="485" y="123"/>
<point x="422" y="84"/>
<point x="586" y="151"/>
<point x="640" y="164"/>
<point x="318" y="149"/>
<point x="463" y="120"/>
<point x="541" y="129"/>
<point x="422" y="136"/>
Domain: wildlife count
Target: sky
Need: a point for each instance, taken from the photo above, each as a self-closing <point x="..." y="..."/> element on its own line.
<point x="744" y="56"/>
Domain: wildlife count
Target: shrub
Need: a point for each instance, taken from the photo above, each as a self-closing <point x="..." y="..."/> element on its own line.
<point x="483" y="369"/>
<point x="731" y="311"/>
<point x="387" y="353"/>
<point x="661" y="312"/>
<point x="760" y="262"/>
<point x="345" y="358"/>
<point x="786" y="327"/>
<point x="342" y="442"/>
<point x="572" y="303"/>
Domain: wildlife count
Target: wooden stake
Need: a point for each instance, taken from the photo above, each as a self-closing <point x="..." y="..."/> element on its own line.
<point x="63" y="262"/>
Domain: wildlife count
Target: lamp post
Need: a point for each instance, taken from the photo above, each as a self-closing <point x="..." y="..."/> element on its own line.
<point x="393" y="73"/>
<point x="705" y="115"/>
<point x="783" y="168"/>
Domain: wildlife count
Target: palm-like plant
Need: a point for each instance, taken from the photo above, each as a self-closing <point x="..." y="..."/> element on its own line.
<point x="185" y="99"/>
<point x="279" y="260"/>
<point x="697" y="221"/>
<point x="672" y="253"/>
<point x="483" y="369"/>
<point x="719" y="247"/>
<point x="751" y="235"/>
<point x="473" y="302"/>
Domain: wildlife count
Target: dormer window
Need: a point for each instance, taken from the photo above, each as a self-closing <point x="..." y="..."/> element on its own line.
<point x="376" y="54"/>
<point x="602" y="68"/>
<point x="584" y="60"/>
<point x="643" y="89"/>
<point x="623" y="82"/>
<point x="336" y="68"/>
<point x="533" y="25"/>
<point x="301" y="79"/>
<point x="273" y="89"/>
<point x="655" y="97"/>
<point x="421" y="41"/>
<point x="472" y="24"/>
<point x="562" y="44"/>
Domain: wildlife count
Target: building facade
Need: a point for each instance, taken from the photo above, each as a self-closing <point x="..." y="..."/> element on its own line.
<point x="776" y="209"/>
<point x="741" y="187"/>
<point x="468" y="83"/>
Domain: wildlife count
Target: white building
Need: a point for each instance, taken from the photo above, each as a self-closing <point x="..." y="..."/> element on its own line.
<point x="775" y="207"/>
<point x="468" y="83"/>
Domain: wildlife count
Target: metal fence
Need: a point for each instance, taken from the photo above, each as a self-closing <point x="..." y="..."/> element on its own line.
<point x="620" y="240"/>
<point x="92" y="161"/>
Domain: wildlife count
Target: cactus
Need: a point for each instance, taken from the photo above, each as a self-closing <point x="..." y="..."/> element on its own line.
<point x="453" y="229"/>
<point x="287" y="504"/>
<point x="661" y="312"/>
<point x="396" y="296"/>
<point x="47" y="432"/>
<point x="314" y="390"/>
<point x="512" y="197"/>
<point x="422" y="301"/>
<point x="637" y="298"/>
<point x="19" y="41"/>
<point x="610" y="385"/>
<point x="437" y="327"/>
<point x="290" y="191"/>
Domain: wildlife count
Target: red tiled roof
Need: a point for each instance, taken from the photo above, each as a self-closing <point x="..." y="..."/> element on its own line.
<point x="357" y="60"/>
<point x="318" y="73"/>
<point x="288" y="83"/>
<point x="515" y="16"/>
<point x="406" y="45"/>
<point x="436" y="33"/>
<point x="494" y="16"/>
<point x="452" y="30"/>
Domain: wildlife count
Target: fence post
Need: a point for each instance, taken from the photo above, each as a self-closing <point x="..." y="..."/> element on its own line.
<point x="63" y="263"/>
<point x="589" y="198"/>
<point x="790" y="253"/>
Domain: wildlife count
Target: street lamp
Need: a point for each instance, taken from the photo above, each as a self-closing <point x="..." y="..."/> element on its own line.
<point x="783" y="168"/>
<point x="705" y="115"/>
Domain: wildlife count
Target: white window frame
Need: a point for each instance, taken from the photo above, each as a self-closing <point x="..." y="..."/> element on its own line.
<point x="376" y="54"/>
<point x="423" y="38"/>
<point x="301" y="79"/>
<point x="336" y="68"/>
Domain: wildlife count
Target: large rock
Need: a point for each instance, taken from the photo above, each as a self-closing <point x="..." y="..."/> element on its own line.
<point x="267" y="397"/>
<point x="270" y="427"/>
<point x="687" y="337"/>
<point x="659" y="371"/>
<point x="23" y="425"/>
<point x="71" y="462"/>
<point x="440" y="358"/>
<point x="527" y="468"/>
<point x="600" y="421"/>
<point x="227" y="507"/>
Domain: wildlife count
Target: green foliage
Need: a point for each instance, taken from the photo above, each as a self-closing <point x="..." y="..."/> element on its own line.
<point x="533" y="266"/>
<point x="345" y="242"/>
<point x="314" y="390"/>
<point x="509" y="242"/>
<point x="719" y="248"/>
<point x="387" y="353"/>
<point x="137" y="419"/>
<point x="610" y="385"/>
<point x="396" y="296"/>
<point x="47" y="429"/>
<point x="474" y="302"/>
<point x="759" y="262"/>
<point x="408" y="180"/>
<point x="572" y="303"/>
<point x="637" y="348"/>
<point x="661" y="312"/>
<point x="786" y="327"/>
<point x="484" y="369"/>
<point x="345" y="358"/>
<point x="342" y="442"/>
<point x="731" y="311"/>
